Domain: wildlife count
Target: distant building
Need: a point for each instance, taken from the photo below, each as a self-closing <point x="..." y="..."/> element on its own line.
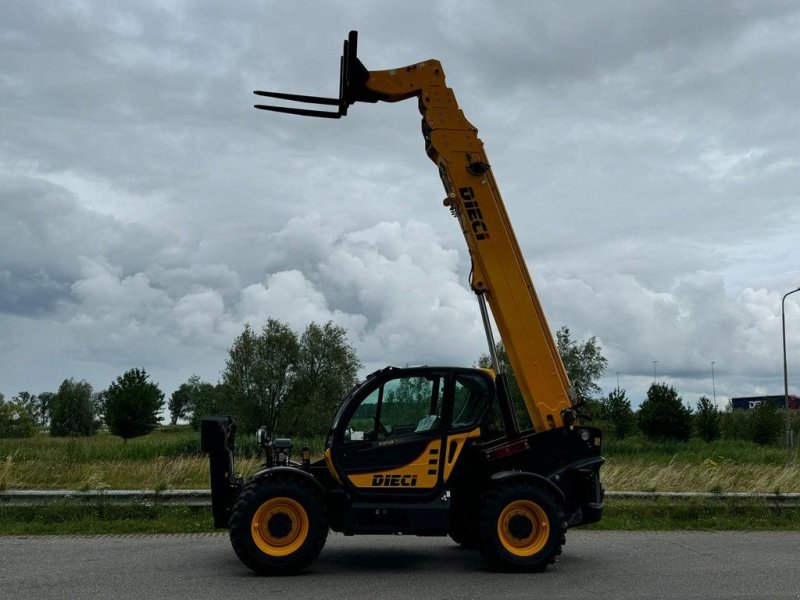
<point x="752" y="401"/>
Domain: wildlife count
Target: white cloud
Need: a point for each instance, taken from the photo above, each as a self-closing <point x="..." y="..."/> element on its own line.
<point x="647" y="155"/>
<point x="290" y="297"/>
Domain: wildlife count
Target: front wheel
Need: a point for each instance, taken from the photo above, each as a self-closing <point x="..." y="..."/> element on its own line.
<point x="278" y="525"/>
<point x="522" y="526"/>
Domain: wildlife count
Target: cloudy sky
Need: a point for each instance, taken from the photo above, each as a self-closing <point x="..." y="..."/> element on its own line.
<point x="648" y="154"/>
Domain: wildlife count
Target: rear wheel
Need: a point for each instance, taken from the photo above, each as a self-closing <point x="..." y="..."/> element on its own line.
<point x="278" y="525"/>
<point x="522" y="527"/>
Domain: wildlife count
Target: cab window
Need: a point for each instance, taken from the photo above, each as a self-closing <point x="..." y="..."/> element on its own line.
<point x="399" y="407"/>
<point x="472" y="396"/>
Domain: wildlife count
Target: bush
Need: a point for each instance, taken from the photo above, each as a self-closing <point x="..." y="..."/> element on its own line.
<point x="735" y="425"/>
<point x="616" y="411"/>
<point x="16" y="421"/>
<point x="132" y="405"/>
<point x="72" y="412"/>
<point x="766" y="424"/>
<point x="706" y="420"/>
<point x="663" y="416"/>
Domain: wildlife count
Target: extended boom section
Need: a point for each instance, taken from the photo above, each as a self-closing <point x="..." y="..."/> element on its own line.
<point x="499" y="269"/>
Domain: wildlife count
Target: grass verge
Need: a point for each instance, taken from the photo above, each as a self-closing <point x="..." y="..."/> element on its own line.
<point x="100" y="518"/>
<point x="620" y="514"/>
<point x="170" y="458"/>
<point x="711" y="514"/>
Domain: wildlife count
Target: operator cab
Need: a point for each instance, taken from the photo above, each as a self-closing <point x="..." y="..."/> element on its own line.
<point x="401" y="431"/>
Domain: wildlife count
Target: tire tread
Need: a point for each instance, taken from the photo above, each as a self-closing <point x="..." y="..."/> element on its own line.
<point x="256" y="493"/>
<point x="494" y="500"/>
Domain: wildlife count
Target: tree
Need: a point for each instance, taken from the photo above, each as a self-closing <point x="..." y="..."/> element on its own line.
<point x="181" y="401"/>
<point x="72" y="413"/>
<point x="196" y="399"/>
<point x="583" y="361"/>
<point x="279" y="352"/>
<point x="28" y="401"/>
<point x="616" y="411"/>
<point x="44" y="401"/>
<point x="99" y="407"/>
<point x="132" y="404"/>
<point x="209" y="399"/>
<point x="282" y="382"/>
<point x="766" y="423"/>
<point x="259" y="373"/>
<point x="325" y="371"/>
<point x="15" y="420"/>
<point x="662" y="416"/>
<point x="707" y="420"/>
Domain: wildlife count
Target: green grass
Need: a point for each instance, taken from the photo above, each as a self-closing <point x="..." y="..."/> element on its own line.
<point x="170" y="458"/>
<point x="164" y="442"/>
<point x="696" y="514"/>
<point x="95" y="519"/>
<point x="636" y="464"/>
<point x="697" y="451"/>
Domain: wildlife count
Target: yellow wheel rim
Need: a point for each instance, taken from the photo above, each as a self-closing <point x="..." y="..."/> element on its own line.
<point x="523" y="528"/>
<point x="280" y="526"/>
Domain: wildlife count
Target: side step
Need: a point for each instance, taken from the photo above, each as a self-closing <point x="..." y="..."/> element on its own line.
<point x="431" y="519"/>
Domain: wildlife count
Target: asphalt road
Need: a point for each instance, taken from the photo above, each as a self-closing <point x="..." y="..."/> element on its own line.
<point x="594" y="565"/>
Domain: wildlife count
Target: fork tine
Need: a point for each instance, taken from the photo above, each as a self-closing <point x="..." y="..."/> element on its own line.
<point x="326" y="114"/>
<point x="299" y="98"/>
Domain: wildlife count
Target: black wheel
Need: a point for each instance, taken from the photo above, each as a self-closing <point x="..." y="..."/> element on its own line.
<point x="522" y="526"/>
<point x="278" y="525"/>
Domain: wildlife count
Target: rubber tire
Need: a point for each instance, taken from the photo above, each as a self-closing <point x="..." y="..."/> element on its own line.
<point x="252" y="497"/>
<point x="493" y="503"/>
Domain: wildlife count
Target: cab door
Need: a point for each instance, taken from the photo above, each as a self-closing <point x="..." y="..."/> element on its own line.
<point x="472" y="413"/>
<point x="391" y="440"/>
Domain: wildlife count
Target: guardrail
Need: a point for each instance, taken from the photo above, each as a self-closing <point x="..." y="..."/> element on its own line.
<point x="173" y="497"/>
<point x="787" y="499"/>
<point x="203" y="497"/>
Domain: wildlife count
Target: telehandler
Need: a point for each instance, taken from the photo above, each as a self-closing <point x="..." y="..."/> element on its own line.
<point x="429" y="451"/>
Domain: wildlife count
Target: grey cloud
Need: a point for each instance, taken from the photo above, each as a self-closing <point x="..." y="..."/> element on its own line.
<point x="647" y="154"/>
<point x="31" y="293"/>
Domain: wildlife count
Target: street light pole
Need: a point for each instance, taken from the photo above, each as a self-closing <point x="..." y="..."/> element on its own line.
<point x="654" y="371"/>
<point x="785" y="372"/>
<point x="713" y="384"/>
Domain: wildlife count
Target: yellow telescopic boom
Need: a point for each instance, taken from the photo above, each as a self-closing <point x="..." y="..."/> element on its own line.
<point x="499" y="271"/>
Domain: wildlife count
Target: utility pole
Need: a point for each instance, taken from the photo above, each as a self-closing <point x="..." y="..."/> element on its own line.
<point x="654" y="371"/>
<point x="713" y="384"/>
<point x="789" y="441"/>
